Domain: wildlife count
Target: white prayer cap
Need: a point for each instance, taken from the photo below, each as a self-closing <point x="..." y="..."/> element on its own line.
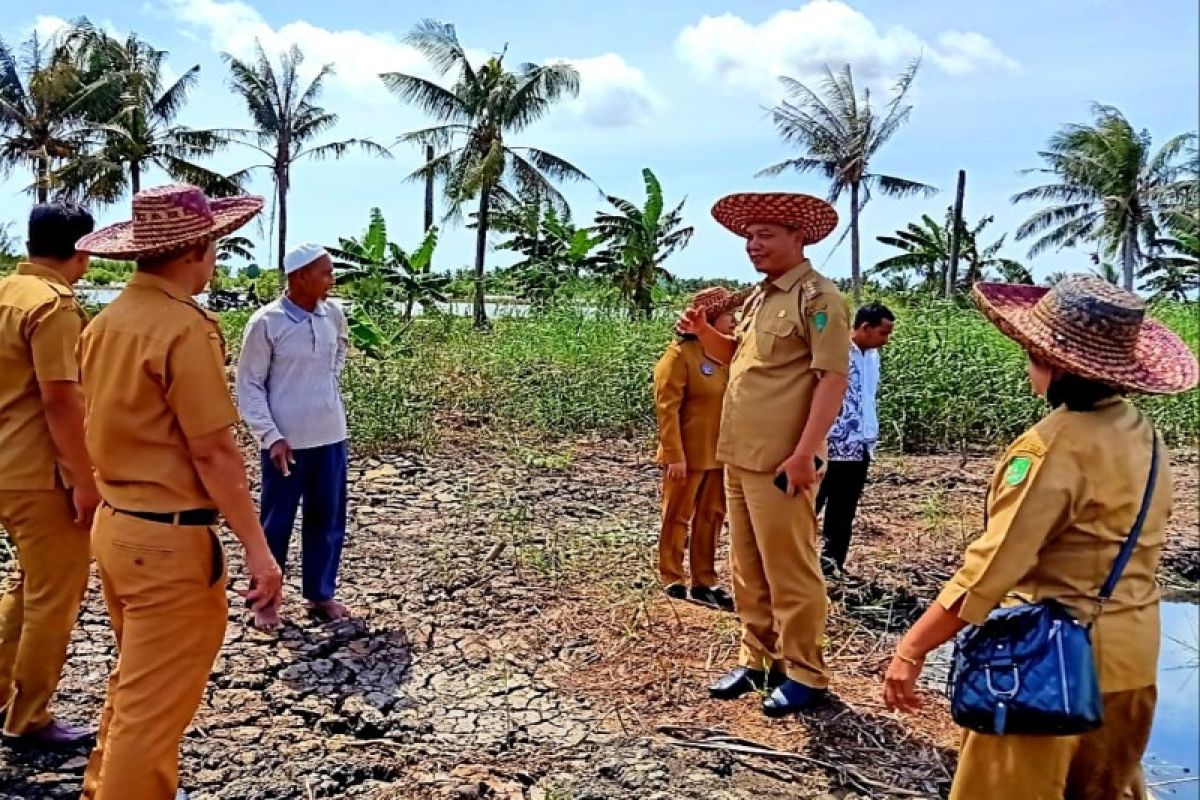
<point x="301" y="256"/>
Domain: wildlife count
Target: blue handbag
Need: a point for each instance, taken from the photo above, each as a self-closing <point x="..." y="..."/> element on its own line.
<point x="1029" y="669"/>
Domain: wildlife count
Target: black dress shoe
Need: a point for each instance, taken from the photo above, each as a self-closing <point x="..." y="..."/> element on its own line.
<point x="677" y="591"/>
<point x="742" y="681"/>
<point x="791" y="697"/>
<point x="713" y="596"/>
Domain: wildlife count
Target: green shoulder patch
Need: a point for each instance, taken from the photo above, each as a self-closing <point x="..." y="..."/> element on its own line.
<point x="1018" y="470"/>
<point x="820" y="320"/>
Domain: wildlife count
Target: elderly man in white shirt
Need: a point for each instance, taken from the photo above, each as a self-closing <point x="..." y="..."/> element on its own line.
<point x="854" y="435"/>
<point x="288" y="391"/>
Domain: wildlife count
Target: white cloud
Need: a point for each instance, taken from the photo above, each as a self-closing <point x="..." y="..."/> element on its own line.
<point x="612" y="93"/>
<point x="960" y="52"/>
<point x="358" y="57"/>
<point x="801" y="42"/>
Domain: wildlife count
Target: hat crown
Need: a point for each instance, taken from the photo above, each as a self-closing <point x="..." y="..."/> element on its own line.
<point x="170" y="211"/>
<point x="1084" y="307"/>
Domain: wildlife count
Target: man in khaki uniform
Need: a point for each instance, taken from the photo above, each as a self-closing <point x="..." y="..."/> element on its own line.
<point x="47" y="493"/>
<point x="160" y="432"/>
<point x="789" y="362"/>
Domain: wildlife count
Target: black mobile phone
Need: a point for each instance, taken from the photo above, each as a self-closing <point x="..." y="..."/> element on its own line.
<point x="781" y="480"/>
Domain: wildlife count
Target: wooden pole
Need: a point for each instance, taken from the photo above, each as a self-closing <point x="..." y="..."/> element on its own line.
<point x="955" y="239"/>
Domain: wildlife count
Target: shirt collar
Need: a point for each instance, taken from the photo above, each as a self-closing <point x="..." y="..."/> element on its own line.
<point x="297" y="314"/>
<point x="150" y="281"/>
<point x="789" y="279"/>
<point x="41" y="271"/>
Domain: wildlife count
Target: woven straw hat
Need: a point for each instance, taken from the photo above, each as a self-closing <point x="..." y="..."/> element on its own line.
<point x="171" y="218"/>
<point x="1088" y="327"/>
<point x="717" y="300"/>
<point x="802" y="212"/>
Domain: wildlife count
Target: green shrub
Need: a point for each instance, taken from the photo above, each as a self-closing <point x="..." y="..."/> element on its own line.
<point x="951" y="381"/>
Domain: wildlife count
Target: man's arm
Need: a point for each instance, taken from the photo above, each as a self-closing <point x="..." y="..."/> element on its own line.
<point x="826" y="405"/>
<point x="197" y="392"/>
<point x="343" y="341"/>
<point x="221" y="469"/>
<point x="62" y="402"/>
<point x="253" y="370"/>
<point x="52" y="345"/>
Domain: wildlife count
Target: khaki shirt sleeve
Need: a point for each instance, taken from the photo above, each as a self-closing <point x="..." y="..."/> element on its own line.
<point x="195" y="382"/>
<point x="52" y="341"/>
<point x="670" y="381"/>
<point x="1033" y="497"/>
<point x="827" y="319"/>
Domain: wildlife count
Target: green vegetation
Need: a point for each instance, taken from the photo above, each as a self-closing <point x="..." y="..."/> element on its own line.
<point x="951" y="380"/>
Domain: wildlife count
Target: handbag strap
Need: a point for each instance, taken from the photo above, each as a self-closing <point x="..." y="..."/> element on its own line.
<point x="1131" y="540"/>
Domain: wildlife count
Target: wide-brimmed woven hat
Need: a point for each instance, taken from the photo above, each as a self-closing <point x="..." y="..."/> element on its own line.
<point x="1088" y="327"/>
<point x="171" y="218"/>
<point x="803" y="212"/>
<point x="717" y="300"/>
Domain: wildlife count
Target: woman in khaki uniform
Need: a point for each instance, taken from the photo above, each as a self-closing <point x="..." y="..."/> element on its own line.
<point x="689" y="385"/>
<point x="1061" y="503"/>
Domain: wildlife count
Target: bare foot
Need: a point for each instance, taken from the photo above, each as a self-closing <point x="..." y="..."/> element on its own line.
<point x="268" y="619"/>
<point x="329" y="610"/>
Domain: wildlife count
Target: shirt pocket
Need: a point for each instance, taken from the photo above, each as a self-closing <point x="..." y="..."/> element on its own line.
<point x="774" y="336"/>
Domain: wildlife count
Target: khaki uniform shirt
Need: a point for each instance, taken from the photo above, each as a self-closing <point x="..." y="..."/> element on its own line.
<point x="794" y="328"/>
<point x="1061" y="502"/>
<point x="40" y="321"/>
<point x="688" y="390"/>
<point x="153" y="377"/>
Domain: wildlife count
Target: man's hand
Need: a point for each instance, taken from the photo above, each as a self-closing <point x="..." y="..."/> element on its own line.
<point x="692" y="322"/>
<point x="801" y="470"/>
<point x="266" y="581"/>
<point x="86" y="499"/>
<point x="282" y="458"/>
<point x="677" y="472"/>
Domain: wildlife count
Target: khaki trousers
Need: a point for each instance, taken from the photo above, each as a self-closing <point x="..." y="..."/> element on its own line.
<point x="778" y="587"/>
<point x="696" y="504"/>
<point x="41" y="602"/>
<point x="1104" y="764"/>
<point x="165" y="590"/>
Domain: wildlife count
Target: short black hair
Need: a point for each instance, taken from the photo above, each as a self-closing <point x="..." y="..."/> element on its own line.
<point x="54" y="228"/>
<point x="873" y="314"/>
<point x="1078" y="394"/>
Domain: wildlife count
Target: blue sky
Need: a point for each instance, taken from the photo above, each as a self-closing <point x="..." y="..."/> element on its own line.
<point x="683" y="88"/>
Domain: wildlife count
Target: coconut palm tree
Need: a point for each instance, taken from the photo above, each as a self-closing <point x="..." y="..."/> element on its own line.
<point x="840" y="132"/>
<point x="1110" y="189"/>
<point x="638" y="241"/>
<point x="474" y="159"/>
<point x="287" y="121"/>
<point x="1173" y="269"/>
<point x="925" y="249"/>
<point x="133" y="129"/>
<point x="44" y="103"/>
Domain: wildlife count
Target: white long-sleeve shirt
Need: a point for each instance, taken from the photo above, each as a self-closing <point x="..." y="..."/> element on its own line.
<point x="289" y="373"/>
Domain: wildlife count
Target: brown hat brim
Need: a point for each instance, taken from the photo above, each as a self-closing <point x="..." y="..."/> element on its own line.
<point x="1162" y="363"/>
<point x="813" y="216"/>
<point x="117" y="241"/>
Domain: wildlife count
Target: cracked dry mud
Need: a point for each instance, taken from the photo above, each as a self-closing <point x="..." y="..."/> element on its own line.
<point x="455" y="679"/>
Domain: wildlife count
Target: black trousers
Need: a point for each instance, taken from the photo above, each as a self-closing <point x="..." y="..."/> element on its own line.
<point x="839" y="495"/>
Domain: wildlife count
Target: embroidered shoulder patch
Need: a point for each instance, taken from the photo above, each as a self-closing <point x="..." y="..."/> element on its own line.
<point x="1018" y="470"/>
<point x="820" y="319"/>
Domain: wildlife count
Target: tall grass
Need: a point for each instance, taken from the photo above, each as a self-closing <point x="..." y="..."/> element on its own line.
<point x="951" y="381"/>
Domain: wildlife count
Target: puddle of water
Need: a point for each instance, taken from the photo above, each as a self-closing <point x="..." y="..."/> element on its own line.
<point x="1174" y="750"/>
<point x="1173" y="755"/>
